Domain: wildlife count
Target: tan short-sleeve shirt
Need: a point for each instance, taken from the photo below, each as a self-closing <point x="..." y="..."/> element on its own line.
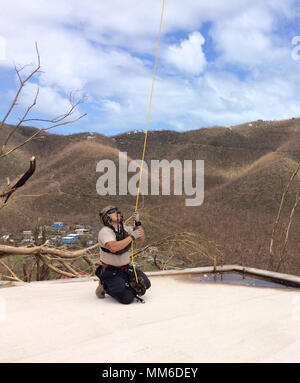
<point x="105" y="235"/>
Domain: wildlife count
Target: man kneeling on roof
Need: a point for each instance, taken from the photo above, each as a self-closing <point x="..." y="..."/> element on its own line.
<point x="117" y="277"/>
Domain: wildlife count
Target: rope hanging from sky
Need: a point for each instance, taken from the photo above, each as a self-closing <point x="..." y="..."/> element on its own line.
<point x="148" y="120"/>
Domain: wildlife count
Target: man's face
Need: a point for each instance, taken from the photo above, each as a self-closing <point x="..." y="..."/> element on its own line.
<point x="114" y="216"/>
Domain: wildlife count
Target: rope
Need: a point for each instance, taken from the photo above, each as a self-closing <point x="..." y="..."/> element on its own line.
<point x="146" y="134"/>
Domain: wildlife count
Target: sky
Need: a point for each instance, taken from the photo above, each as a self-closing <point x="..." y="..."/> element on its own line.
<point x="220" y="62"/>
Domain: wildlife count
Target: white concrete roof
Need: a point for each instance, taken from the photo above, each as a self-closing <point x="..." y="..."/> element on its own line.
<point x="181" y="321"/>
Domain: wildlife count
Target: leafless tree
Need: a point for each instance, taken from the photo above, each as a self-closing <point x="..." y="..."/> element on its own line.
<point x="282" y="253"/>
<point x="5" y="150"/>
<point x="184" y="246"/>
<point x="48" y="124"/>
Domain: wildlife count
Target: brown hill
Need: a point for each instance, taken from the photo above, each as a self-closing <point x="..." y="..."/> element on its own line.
<point x="246" y="169"/>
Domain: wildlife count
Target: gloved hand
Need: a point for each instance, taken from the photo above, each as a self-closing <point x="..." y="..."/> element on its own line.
<point x="137" y="233"/>
<point x="136" y="216"/>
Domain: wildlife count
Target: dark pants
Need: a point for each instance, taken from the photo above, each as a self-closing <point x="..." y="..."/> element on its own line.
<point x="115" y="282"/>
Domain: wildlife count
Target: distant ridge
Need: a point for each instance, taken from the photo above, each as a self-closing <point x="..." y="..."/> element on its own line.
<point x="246" y="169"/>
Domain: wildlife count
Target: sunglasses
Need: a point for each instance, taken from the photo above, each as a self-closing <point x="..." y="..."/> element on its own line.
<point x="112" y="211"/>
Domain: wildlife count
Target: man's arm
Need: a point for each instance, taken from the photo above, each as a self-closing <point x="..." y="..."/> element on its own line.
<point x="114" y="246"/>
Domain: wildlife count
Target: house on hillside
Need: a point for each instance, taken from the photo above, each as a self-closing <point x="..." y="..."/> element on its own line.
<point x="26" y="240"/>
<point x="70" y="238"/>
<point x="73" y="236"/>
<point x="67" y="240"/>
<point x="91" y="136"/>
<point x="81" y="231"/>
<point x="58" y="225"/>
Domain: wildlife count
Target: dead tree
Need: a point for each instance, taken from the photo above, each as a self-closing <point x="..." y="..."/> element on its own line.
<point x="183" y="246"/>
<point x="6" y="149"/>
<point x="60" y="120"/>
<point x="50" y="123"/>
<point x="21" y="181"/>
<point x="282" y="256"/>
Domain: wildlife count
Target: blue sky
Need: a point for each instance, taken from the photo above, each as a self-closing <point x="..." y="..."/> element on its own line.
<point x="220" y="62"/>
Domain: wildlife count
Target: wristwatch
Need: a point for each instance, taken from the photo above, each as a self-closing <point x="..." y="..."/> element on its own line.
<point x="138" y="223"/>
<point x="132" y="237"/>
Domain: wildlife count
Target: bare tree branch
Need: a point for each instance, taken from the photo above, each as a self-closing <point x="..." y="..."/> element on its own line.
<point x="70" y="268"/>
<point x="47" y="262"/>
<point x="13" y="275"/>
<point x="21" y="181"/>
<point x="286" y="189"/>
<point x="51" y="256"/>
<point x="61" y="117"/>
<point x="282" y="256"/>
<point x="22" y="83"/>
<point x="20" y="122"/>
<point x="43" y="249"/>
<point x="54" y="122"/>
<point x="39" y="132"/>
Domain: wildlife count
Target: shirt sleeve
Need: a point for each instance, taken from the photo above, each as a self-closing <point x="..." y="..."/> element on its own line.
<point x="105" y="236"/>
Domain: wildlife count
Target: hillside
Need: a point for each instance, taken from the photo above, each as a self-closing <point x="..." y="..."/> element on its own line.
<point x="246" y="169"/>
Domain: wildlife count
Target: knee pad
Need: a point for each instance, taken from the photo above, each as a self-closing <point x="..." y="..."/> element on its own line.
<point x="114" y="286"/>
<point x="126" y="297"/>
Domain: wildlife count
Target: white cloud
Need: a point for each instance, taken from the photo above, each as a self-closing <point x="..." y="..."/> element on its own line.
<point x="188" y="56"/>
<point x="111" y="106"/>
<point x="106" y="49"/>
<point x="49" y="101"/>
<point x="248" y="38"/>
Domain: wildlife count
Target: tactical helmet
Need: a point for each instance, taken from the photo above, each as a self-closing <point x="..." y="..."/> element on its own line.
<point x="104" y="211"/>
